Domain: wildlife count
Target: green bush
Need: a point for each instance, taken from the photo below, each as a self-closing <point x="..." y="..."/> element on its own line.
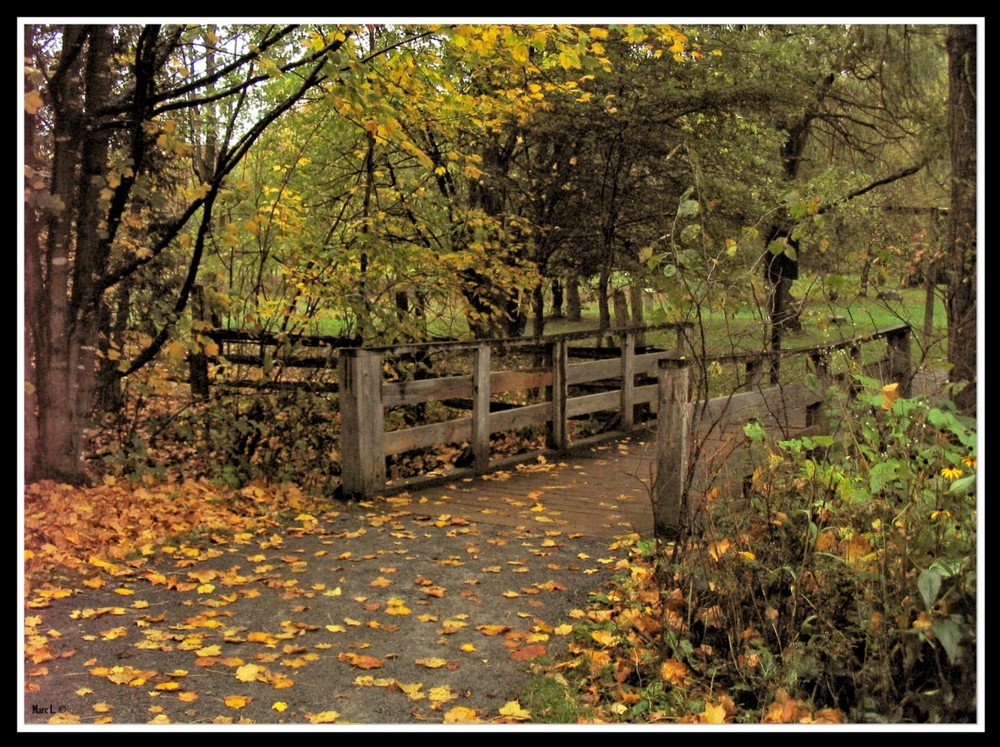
<point x="848" y="578"/>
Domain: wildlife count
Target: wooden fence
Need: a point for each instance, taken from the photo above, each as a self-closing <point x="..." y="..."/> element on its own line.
<point x="551" y="382"/>
<point x="562" y="384"/>
<point x="702" y="445"/>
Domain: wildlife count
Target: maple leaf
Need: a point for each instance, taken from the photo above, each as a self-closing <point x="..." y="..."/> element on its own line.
<point x="462" y="715"/>
<point x="512" y="709"/>
<point x="673" y="671"/>
<point x="492" y="629"/>
<point x="249" y="672"/>
<point x="413" y="691"/>
<point x="360" y="661"/>
<point x="527" y="653"/>
<point x="237" y="701"/>
<point x="713" y="714"/>
<point x="432" y="662"/>
<point x="324" y="717"/>
<point x="279" y="706"/>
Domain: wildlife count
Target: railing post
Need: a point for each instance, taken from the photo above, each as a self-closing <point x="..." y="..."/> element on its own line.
<point x="481" y="407"/>
<point x="361" y="423"/>
<point x="669" y="503"/>
<point x="558" y="435"/>
<point x="900" y="362"/>
<point x="628" y="380"/>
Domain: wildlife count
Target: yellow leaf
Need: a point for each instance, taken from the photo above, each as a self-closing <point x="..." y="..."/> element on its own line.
<point x="564" y="629"/>
<point x="513" y="709"/>
<point x="325" y="717"/>
<point x="237" y="701"/>
<point x="674" y="672"/>
<point x="604" y="637"/>
<point x="432" y="662"/>
<point x="65" y="718"/>
<point x="101" y="707"/>
<point x="890" y="393"/>
<point x="177" y="350"/>
<point x="168" y="686"/>
<point x="187" y="697"/>
<point x="248" y="672"/>
<point x="414" y="691"/>
<point x="462" y="715"/>
<point x="160" y="718"/>
<point x="467" y="648"/>
<point x="125" y="592"/>
<point x="279" y="706"/>
<point x="718" y="548"/>
<point x="441" y="694"/>
<point x="32" y="101"/>
<point x="209" y="651"/>
<point x="714" y="714"/>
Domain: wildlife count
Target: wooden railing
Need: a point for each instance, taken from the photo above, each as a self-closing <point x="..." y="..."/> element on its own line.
<point x="556" y="377"/>
<point x="701" y="445"/>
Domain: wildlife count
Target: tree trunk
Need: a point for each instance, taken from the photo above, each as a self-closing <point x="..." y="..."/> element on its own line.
<point x="620" y="305"/>
<point x="574" y="309"/>
<point x="961" y="301"/>
<point x="638" y="315"/>
<point x="557" y="298"/>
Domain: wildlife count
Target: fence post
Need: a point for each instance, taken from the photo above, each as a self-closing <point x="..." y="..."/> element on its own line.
<point x="481" y="407"/>
<point x="362" y="452"/>
<point x="900" y="362"/>
<point x="628" y="380"/>
<point x="558" y="435"/>
<point x="669" y="499"/>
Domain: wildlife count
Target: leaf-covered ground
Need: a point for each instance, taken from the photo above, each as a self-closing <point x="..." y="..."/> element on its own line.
<point x="180" y="603"/>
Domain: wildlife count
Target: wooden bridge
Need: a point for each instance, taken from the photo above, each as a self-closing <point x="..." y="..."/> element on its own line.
<point x="565" y="398"/>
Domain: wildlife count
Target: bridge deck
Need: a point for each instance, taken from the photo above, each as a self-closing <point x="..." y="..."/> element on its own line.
<point x="603" y="491"/>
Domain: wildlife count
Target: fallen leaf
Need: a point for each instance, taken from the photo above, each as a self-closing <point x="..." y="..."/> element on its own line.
<point x="325" y="717"/>
<point x="513" y="709"/>
<point x="237" y="701"/>
<point x="462" y="715"/>
<point x="527" y="653"/>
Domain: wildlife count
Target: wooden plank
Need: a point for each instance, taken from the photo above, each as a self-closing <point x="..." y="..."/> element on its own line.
<point x="521" y="417"/>
<point x="398" y="393"/>
<point x="765" y="404"/>
<point x="449" y="431"/>
<point x="578" y="373"/>
<point x="593" y="403"/>
<point x="649" y="362"/>
<point x="646" y="393"/>
<point x="506" y="381"/>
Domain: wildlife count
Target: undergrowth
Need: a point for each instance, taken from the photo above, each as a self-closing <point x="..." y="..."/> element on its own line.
<point x="842" y="588"/>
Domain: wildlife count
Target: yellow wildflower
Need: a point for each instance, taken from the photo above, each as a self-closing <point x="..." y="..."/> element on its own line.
<point x="969" y="461"/>
<point x="951" y="473"/>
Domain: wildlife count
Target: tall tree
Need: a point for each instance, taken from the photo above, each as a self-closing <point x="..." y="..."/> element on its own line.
<point x="100" y="104"/>
<point x="961" y="262"/>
